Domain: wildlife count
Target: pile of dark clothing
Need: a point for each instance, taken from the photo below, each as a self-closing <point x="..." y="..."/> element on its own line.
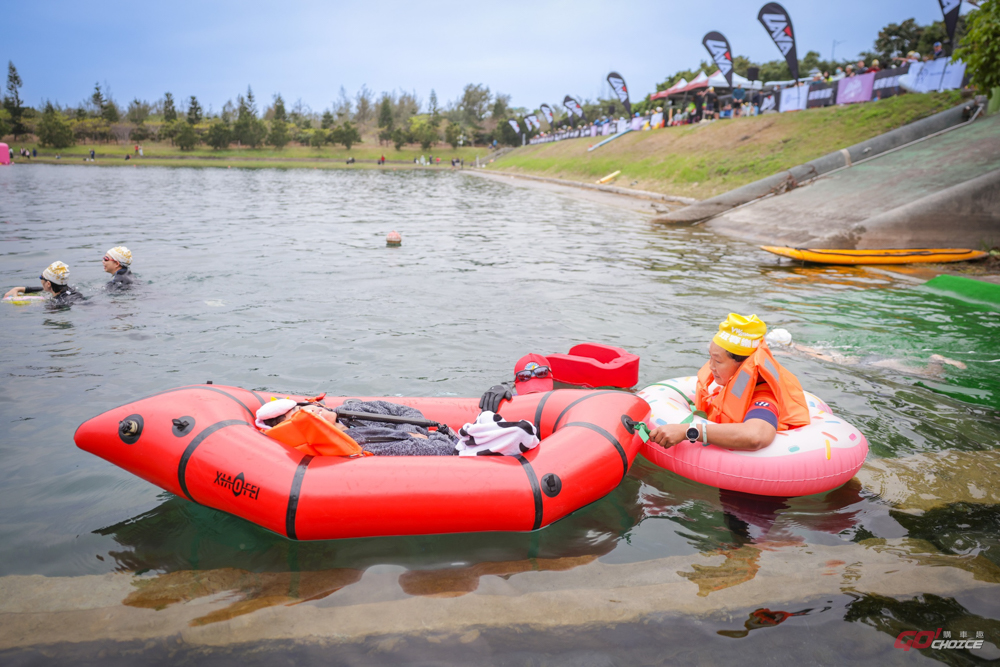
<point x="395" y="439"/>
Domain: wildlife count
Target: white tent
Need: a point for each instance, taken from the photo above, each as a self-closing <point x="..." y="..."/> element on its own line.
<point x="719" y="81"/>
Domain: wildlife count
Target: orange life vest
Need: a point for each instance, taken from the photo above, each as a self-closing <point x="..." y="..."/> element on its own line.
<point x="311" y="434"/>
<point x="730" y="404"/>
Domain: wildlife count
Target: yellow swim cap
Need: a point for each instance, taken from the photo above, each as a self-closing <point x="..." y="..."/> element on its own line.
<point x="740" y="335"/>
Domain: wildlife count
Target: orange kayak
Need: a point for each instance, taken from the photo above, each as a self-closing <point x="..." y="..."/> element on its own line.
<point x="888" y="256"/>
<point x="199" y="442"/>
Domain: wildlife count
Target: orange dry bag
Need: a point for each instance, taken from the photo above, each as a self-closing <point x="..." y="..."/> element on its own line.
<point x="311" y="434"/>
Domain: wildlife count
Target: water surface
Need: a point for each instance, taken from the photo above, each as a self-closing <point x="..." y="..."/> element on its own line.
<point x="281" y="281"/>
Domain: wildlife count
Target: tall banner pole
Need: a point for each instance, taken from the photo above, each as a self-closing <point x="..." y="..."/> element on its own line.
<point x="950" y="10"/>
<point x="718" y="47"/>
<point x="778" y="24"/>
<point x="621" y="91"/>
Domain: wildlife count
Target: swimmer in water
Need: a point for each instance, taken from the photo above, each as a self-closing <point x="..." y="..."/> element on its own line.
<point x="55" y="280"/>
<point x="780" y="340"/>
<point x="118" y="262"/>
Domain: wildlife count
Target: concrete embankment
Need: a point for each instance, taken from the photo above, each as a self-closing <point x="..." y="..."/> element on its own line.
<point x="943" y="191"/>
<point x="845" y="157"/>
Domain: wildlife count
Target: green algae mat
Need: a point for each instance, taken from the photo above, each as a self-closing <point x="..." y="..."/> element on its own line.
<point x="966" y="289"/>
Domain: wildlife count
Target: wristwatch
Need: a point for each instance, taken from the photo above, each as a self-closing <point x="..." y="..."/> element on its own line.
<point x="692" y="434"/>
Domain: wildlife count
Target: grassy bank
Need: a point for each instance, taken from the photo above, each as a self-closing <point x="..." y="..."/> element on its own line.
<point x="287" y="157"/>
<point x="705" y="160"/>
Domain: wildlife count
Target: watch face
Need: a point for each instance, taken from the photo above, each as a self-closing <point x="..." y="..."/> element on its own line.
<point x="692" y="433"/>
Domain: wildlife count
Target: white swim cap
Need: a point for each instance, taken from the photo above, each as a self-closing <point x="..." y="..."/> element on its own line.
<point x="778" y="337"/>
<point x="273" y="409"/>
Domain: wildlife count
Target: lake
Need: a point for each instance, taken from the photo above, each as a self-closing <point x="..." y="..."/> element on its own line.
<point x="281" y="281"/>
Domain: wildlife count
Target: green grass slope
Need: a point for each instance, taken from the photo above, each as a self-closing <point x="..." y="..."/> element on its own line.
<point x="704" y="160"/>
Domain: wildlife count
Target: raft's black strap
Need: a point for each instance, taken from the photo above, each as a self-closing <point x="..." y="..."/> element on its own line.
<point x="253" y="415"/>
<point x="293" y="497"/>
<point x="193" y="445"/>
<point x="536" y="490"/>
<point x="538" y="412"/>
<point x="610" y="438"/>
<point x="580" y="400"/>
<point x="258" y="397"/>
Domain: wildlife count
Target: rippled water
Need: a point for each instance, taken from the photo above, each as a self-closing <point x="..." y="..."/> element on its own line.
<point x="281" y="280"/>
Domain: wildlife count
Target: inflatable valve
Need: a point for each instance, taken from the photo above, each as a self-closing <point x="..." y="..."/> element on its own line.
<point x="632" y="426"/>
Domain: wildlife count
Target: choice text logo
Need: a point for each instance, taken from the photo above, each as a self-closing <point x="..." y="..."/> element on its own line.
<point x="930" y="639"/>
<point x="238" y="485"/>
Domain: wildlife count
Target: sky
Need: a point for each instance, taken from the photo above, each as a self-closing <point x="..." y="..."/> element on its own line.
<point x="537" y="51"/>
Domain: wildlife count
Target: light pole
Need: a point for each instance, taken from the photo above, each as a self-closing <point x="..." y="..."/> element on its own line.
<point x="833" y="49"/>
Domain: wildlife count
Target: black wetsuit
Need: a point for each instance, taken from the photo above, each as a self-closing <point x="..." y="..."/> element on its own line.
<point x="64" y="298"/>
<point x="122" y="279"/>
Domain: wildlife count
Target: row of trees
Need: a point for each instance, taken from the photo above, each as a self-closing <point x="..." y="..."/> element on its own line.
<point x="393" y="119"/>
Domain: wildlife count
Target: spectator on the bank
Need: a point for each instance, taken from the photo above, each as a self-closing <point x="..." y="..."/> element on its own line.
<point x="849" y="71"/>
<point x="875" y="66"/>
<point x="738" y="96"/>
<point x="727" y="111"/>
<point x="91" y="154"/>
<point x="699" y="101"/>
<point x="838" y="74"/>
<point x="826" y="77"/>
<point x="861" y="69"/>
<point x="938" y="51"/>
<point x="711" y="103"/>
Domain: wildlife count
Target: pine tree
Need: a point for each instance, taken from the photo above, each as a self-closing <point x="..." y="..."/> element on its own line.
<point x="348" y="135"/>
<point x="279" y="109"/>
<point x="433" y="109"/>
<point x="278" y="137"/>
<point x="53" y="130"/>
<point x="385" y="113"/>
<point x="219" y="136"/>
<point x="97" y="100"/>
<point x="12" y="101"/>
<point x="327" y="122"/>
<point x="186" y="137"/>
<point x="169" y="111"/>
<point x="194" y="111"/>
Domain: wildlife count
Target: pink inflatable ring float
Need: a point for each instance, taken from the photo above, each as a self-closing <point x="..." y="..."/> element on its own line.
<point x="814" y="458"/>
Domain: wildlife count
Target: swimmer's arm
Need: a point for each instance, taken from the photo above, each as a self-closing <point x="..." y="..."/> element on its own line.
<point x="17" y="291"/>
<point x="751" y="435"/>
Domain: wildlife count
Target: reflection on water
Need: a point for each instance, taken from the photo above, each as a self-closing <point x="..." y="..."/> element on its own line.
<point x="765" y="618"/>
<point x="249" y="591"/>
<point x="281" y="281"/>
<point x="927" y="612"/>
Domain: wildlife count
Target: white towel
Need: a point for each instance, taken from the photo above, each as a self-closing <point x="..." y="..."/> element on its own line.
<point x="490" y="435"/>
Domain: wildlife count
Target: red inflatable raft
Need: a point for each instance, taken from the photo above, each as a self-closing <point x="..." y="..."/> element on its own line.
<point x="199" y="442"/>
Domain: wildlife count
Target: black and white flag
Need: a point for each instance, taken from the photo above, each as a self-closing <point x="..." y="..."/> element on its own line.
<point x="718" y="48"/>
<point x="776" y="21"/>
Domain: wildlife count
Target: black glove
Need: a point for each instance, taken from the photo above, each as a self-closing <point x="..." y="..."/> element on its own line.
<point x="494" y="396"/>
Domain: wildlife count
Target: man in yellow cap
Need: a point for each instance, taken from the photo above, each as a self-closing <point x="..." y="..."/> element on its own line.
<point x="55" y="281"/>
<point x="747" y="396"/>
<point x="118" y="262"/>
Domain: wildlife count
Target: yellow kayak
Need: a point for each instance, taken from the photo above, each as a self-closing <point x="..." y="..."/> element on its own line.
<point x="890" y="256"/>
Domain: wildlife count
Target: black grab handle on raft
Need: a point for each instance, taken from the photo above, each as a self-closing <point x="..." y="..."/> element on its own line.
<point x="391" y="419"/>
<point x="632" y="426"/>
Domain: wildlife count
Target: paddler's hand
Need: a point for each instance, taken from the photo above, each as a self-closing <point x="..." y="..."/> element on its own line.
<point x="494" y="396"/>
<point x="669" y="435"/>
<point x="14" y="291"/>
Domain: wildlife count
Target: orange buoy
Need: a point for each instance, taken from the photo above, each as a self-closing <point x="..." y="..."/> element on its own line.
<point x="393" y="238"/>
